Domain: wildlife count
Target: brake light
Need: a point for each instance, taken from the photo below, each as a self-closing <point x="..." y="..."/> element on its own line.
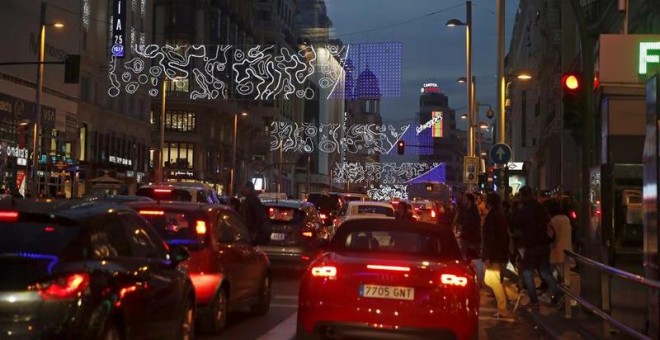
<point x="307" y="234"/>
<point x="392" y="268"/>
<point x="573" y="214"/>
<point x="9" y="216"/>
<point x="324" y="271"/>
<point x="453" y="280"/>
<point x="152" y="212"/>
<point x="163" y="191"/>
<point x="64" y="288"/>
<point x="200" y="227"/>
<point x="49" y="229"/>
<point x="433" y="213"/>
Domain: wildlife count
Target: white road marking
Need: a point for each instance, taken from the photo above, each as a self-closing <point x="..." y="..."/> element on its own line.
<point x="284" y="330"/>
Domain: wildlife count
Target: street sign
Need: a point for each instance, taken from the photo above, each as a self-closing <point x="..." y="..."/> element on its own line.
<point x="470" y="170"/>
<point x="500" y="153"/>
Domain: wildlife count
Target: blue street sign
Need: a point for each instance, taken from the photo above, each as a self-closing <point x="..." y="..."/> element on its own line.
<point x="500" y="153"/>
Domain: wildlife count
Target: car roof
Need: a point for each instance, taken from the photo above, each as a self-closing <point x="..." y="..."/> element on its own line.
<point x="296" y="204"/>
<point x="69" y="209"/>
<point x="372" y="203"/>
<point x="179" y="205"/>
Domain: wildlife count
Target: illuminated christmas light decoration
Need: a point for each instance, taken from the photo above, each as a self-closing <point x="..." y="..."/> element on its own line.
<point x="334" y="137"/>
<point x="428" y="124"/>
<point x="259" y="73"/>
<point x="85" y="15"/>
<point x="372" y="69"/>
<point x="376" y="172"/>
<point x="388" y="192"/>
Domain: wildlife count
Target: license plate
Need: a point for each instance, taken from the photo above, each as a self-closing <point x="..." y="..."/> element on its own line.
<point x="387" y="292"/>
<point x="277" y="236"/>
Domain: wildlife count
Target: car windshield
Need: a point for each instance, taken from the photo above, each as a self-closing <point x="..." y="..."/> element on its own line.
<point x="176" y="227"/>
<point x="165" y="194"/>
<point x="414" y="243"/>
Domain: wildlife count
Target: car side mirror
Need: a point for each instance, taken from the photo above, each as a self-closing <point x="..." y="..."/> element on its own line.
<point x="179" y="254"/>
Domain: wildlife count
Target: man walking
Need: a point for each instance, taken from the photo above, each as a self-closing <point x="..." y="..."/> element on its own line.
<point x="252" y="211"/>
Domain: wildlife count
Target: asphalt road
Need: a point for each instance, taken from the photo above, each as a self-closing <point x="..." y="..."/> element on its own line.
<point x="280" y="322"/>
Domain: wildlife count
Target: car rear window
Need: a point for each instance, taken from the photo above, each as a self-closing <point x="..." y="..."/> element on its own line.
<point x="405" y="242"/>
<point x="165" y="194"/>
<point x="36" y="238"/>
<point x="176" y="227"/>
<point x="281" y="214"/>
<point x="372" y="209"/>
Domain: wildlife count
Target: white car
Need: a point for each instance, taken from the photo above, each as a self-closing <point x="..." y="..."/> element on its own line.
<point x="363" y="209"/>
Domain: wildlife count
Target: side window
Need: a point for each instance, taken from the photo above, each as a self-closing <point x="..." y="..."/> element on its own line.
<point x="107" y="239"/>
<point x="141" y="238"/>
<point x="232" y="229"/>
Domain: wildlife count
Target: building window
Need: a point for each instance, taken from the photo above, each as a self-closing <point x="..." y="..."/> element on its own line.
<point x="183" y="121"/>
<point x="179" y="155"/>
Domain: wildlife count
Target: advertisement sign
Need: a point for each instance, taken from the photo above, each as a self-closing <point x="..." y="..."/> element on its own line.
<point x="118" y="28"/>
<point x="438" y="125"/>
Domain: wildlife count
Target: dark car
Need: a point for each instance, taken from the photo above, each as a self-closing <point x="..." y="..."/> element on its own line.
<point x="90" y="271"/>
<point x="327" y="207"/>
<point x="228" y="272"/>
<point x="293" y="231"/>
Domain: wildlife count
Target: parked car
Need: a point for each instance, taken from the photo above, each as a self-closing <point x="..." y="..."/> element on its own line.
<point x="363" y="209"/>
<point x="406" y="278"/>
<point x="72" y="270"/>
<point x="227" y="271"/>
<point x="178" y="192"/>
<point x="293" y="232"/>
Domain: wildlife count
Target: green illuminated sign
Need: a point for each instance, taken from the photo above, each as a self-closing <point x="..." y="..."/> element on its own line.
<point x="645" y="56"/>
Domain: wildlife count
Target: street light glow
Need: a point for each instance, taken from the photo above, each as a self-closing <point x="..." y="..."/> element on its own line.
<point x="461" y="80"/>
<point x="454" y="23"/>
<point x="524" y="76"/>
<point x="58" y="25"/>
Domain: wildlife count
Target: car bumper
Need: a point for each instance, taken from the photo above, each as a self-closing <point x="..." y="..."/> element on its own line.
<point x="340" y="330"/>
<point x="283" y="255"/>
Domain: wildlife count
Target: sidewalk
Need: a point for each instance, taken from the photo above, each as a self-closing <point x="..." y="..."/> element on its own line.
<point x="628" y="305"/>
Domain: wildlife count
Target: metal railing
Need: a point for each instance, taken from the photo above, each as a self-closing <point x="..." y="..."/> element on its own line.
<point x="604" y="311"/>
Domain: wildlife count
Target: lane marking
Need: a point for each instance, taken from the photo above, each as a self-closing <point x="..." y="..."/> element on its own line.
<point x="284" y="330"/>
<point x="488" y="318"/>
<point x="284" y="305"/>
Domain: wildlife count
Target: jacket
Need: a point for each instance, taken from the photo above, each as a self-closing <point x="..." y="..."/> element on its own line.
<point x="531" y="224"/>
<point x="471" y="225"/>
<point x="495" y="245"/>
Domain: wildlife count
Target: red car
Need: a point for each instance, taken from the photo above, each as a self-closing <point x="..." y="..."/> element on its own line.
<point x="389" y="279"/>
<point x="227" y="271"/>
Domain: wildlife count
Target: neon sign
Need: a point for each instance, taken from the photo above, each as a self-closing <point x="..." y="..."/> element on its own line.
<point x="118" y="28"/>
<point x="645" y="56"/>
<point x="437" y="117"/>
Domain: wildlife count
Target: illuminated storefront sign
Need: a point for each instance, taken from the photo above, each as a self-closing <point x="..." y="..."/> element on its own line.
<point x="118" y="28"/>
<point x="120" y="160"/>
<point x="21" y="154"/>
<point x="649" y="53"/>
<point x="430" y="88"/>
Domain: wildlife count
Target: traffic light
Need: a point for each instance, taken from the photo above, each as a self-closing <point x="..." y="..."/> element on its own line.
<point x="573" y="102"/>
<point x="400" y="147"/>
<point x="71" y="68"/>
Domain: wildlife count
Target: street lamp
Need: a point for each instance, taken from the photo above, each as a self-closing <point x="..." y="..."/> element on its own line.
<point x="469" y="79"/>
<point x="504" y="100"/>
<point x="232" y="184"/>
<point x="36" y="138"/>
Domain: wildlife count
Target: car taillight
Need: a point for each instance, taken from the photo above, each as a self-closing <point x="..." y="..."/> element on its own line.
<point x="8" y="216"/>
<point x="433" y="214"/>
<point x="163" y="191"/>
<point x="67" y="287"/>
<point x="307" y="234"/>
<point x="453" y="280"/>
<point x="200" y="227"/>
<point x="392" y="268"/>
<point x="324" y="271"/>
<point x="151" y="212"/>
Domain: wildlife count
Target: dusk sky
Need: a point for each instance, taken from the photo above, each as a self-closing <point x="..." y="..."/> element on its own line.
<point x="432" y="52"/>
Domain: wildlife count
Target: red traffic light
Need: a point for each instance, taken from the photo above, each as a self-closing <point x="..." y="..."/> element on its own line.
<point x="571" y="82"/>
<point x="400" y="147"/>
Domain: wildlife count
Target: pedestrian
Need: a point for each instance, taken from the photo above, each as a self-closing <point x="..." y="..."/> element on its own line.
<point x="470" y="234"/>
<point x="532" y="220"/>
<point x="495" y="252"/>
<point x="253" y="212"/>
<point x="403" y="213"/>
<point x="561" y="225"/>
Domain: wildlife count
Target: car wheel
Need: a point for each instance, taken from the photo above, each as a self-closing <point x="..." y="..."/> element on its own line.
<point x="111" y="331"/>
<point x="187" y="324"/>
<point x="263" y="304"/>
<point x="214" y="322"/>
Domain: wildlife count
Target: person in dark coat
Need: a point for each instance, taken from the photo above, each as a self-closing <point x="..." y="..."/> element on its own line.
<point x="495" y="251"/>
<point x="470" y="234"/>
<point x="253" y="212"/>
<point x="532" y="223"/>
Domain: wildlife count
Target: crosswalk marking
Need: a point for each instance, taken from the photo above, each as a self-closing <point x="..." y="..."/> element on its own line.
<point x="284" y="330"/>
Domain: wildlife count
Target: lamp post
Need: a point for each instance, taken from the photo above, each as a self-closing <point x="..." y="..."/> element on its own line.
<point x="36" y="137"/>
<point x="469" y="78"/>
<point x="232" y="184"/>
<point x="502" y="100"/>
<point x="471" y="114"/>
